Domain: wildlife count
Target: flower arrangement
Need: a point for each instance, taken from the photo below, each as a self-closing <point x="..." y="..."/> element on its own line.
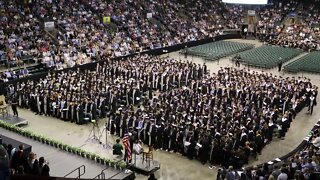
<point x="62" y="146"/>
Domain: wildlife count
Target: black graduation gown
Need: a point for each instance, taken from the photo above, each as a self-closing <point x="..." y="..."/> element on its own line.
<point x="103" y="109"/>
<point x="146" y="139"/>
<point x="46" y="106"/>
<point x="124" y="127"/>
<point x="79" y="114"/>
<point x="180" y="145"/>
<point x="117" y="123"/>
<point x="71" y="113"/>
<point x="173" y="140"/>
<point x="112" y="126"/>
<point x="191" y="149"/>
<point x="204" y="151"/>
<point x="153" y="135"/>
<point x="94" y="111"/>
<point x="159" y="134"/>
<point x="33" y="104"/>
<point x="214" y="155"/>
<point x="166" y="136"/>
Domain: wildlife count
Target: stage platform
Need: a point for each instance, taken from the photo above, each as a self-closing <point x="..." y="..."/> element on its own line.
<point x="15" y="143"/>
<point x="17" y="121"/>
<point x="144" y="167"/>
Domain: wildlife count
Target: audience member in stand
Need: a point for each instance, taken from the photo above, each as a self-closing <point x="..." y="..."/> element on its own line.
<point x="87" y="38"/>
<point x="21" y="164"/>
<point x="304" y="164"/>
<point x="19" y="158"/>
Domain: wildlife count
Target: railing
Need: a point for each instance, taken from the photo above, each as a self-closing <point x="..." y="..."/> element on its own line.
<point x="115" y="175"/>
<point x="102" y="175"/>
<point x="79" y="171"/>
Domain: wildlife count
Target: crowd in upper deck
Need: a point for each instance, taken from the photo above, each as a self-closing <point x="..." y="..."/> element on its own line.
<point x="137" y="26"/>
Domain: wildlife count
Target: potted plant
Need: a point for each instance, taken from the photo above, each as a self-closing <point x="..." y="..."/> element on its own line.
<point x="112" y="163"/>
<point x="15" y="129"/>
<point x="106" y="162"/>
<point x="20" y="131"/>
<point x="88" y="155"/>
<point x="117" y="165"/>
<point x="55" y="143"/>
<point x="9" y="127"/>
<point x="123" y="165"/>
<point x="98" y="159"/>
<point x="77" y="151"/>
<point x="42" y="139"/>
<point x="46" y="140"/>
<point x="60" y="146"/>
<point x="25" y="133"/>
<point x="71" y="149"/>
<point x="35" y="137"/>
<point x="83" y="153"/>
<point x="65" y="147"/>
<point x="93" y="157"/>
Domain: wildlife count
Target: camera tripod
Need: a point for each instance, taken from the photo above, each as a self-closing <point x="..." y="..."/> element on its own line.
<point x="93" y="133"/>
<point x="105" y="130"/>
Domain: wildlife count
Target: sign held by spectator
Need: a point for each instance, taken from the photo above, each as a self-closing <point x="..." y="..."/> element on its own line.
<point x="251" y="12"/>
<point x="106" y="19"/>
<point x="49" y="25"/>
<point x="149" y="15"/>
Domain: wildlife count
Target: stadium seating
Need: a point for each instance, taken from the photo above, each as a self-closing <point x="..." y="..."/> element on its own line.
<point x="217" y="50"/>
<point x="308" y="63"/>
<point x="268" y="56"/>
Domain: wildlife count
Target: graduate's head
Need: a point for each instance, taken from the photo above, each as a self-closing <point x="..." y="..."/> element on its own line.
<point x="118" y="141"/>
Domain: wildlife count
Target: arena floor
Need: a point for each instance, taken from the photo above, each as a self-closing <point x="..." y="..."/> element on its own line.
<point x="174" y="166"/>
